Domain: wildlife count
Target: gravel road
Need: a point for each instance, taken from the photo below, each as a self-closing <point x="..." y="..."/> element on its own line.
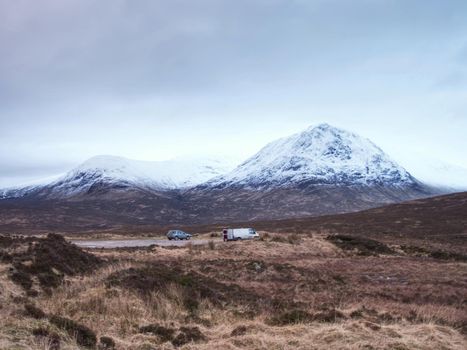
<point x="135" y="243"/>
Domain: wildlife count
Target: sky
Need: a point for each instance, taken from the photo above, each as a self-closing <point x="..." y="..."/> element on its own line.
<point x="158" y="79"/>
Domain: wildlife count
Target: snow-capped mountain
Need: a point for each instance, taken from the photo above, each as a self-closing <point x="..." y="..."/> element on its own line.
<point x="319" y="155"/>
<point x="322" y="170"/>
<point x="119" y="172"/>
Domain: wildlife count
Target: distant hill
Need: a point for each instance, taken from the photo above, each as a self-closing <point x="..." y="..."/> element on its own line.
<point x="436" y="219"/>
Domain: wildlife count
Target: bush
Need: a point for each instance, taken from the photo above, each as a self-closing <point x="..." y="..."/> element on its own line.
<point x="22" y="278"/>
<point x="187" y="335"/>
<point x="164" y="333"/>
<point x="84" y="335"/>
<point x="5" y="257"/>
<point x="293" y="239"/>
<point x="364" y="246"/>
<point x="50" y="259"/>
<point x="291" y="317"/>
<point x="279" y="239"/>
<point x="240" y="330"/>
<point x="256" y="266"/>
<point x="211" y="245"/>
<point x="33" y="311"/>
<point x="191" y="304"/>
<point x="106" y="343"/>
<point x="300" y="316"/>
<point x="265" y="236"/>
<point x="328" y="316"/>
<point x="53" y="339"/>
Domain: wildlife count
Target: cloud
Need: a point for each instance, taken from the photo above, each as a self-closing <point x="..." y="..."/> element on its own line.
<point x="86" y="77"/>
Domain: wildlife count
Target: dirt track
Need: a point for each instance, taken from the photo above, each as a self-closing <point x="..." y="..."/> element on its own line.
<point x="135" y="243"/>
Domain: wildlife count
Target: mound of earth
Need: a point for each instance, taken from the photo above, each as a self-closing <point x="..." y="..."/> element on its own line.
<point x="49" y="259"/>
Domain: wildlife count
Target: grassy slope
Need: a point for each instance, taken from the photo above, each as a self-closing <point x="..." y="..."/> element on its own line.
<point x="347" y="300"/>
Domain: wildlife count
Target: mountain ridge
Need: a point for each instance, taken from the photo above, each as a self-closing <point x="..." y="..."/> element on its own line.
<point x="323" y="170"/>
<point x="122" y="173"/>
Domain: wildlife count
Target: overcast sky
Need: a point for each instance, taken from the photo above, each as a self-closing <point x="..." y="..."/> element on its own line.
<point x="153" y="80"/>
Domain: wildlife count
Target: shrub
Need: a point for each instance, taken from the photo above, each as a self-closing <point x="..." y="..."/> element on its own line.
<point x="191" y="304"/>
<point x="50" y="259"/>
<point x="164" y="333"/>
<point x="106" y="343"/>
<point x="300" y="316"/>
<point x="356" y="313"/>
<point x="363" y="246"/>
<point x="256" y="266"/>
<point x="5" y="257"/>
<point x="240" y="330"/>
<point x="84" y="335"/>
<point x="331" y="315"/>
<point x="291" y="317"/>
<point x="293" y="239"/>
<point x="33" y="311"/>
<point x="187" y="335"/>
<point x="265" y="236"/>
<point x="211" y="245"/>
<point x="53" y="339"/>
<point x="22" y="278"/>
<point x="279" y="239"/>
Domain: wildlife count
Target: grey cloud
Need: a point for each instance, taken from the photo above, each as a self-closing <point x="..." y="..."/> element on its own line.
<point x="83" y="77"/>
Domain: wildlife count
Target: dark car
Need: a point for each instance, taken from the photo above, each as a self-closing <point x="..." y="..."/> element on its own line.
<point x="177" y="235"/>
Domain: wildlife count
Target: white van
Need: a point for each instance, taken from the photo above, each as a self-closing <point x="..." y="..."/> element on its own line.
<point x="234" y="234"/>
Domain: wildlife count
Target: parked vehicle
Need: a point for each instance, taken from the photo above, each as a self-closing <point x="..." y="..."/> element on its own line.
<point x="178" y="235"/>
<point x="235" y="234"/>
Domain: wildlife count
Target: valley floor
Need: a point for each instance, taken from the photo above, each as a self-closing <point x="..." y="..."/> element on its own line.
<point x="285" y="291"/>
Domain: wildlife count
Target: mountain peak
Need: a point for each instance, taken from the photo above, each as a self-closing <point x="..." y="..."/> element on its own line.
<point x="321" y="154"/>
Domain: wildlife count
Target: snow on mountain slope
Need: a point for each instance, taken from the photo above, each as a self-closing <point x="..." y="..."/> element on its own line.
<point x="121" y="172"/>
<point x="322" y="155"/>
<point x="160" y="175"/>
<point x="27" y="187"/>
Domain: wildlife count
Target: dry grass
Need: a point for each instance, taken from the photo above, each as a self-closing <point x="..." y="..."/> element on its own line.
<point x="386" y="302"/>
